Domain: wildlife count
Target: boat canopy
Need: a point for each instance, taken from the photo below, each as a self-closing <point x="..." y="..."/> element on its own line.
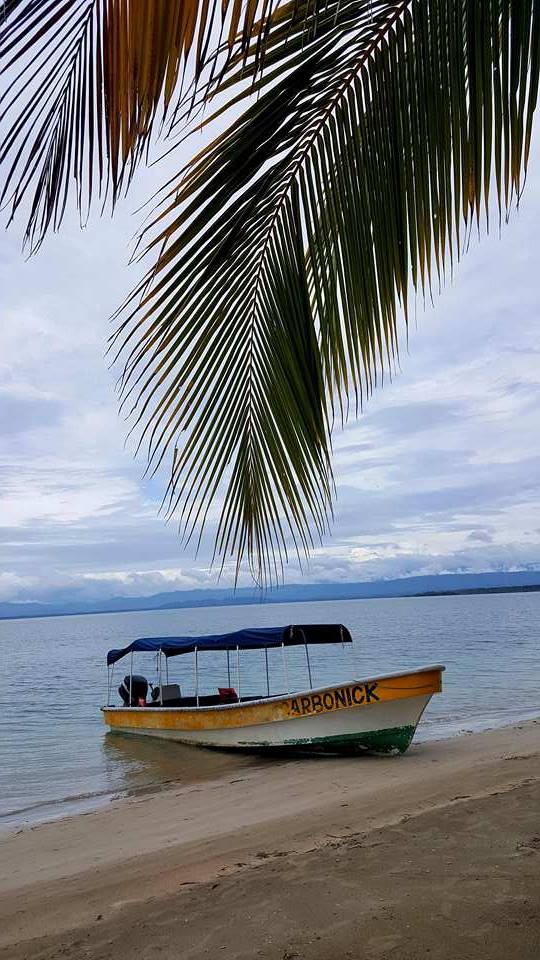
<point x="256" y="638"/>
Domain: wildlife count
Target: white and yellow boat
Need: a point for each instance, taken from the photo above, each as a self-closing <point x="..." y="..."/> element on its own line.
<point x="377" y="714"/>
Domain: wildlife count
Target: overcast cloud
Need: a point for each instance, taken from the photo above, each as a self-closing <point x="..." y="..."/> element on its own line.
<point x="440" y="473"/>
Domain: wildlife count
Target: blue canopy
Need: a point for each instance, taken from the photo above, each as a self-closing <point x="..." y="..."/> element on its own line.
<point x="255" y="638"/>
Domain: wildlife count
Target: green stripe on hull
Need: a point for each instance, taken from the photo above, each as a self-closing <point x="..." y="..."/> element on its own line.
<point x="390" y="740"/>
<point x="387" y="741"/>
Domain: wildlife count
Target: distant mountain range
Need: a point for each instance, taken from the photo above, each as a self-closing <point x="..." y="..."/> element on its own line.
<point x="300" y="592"/>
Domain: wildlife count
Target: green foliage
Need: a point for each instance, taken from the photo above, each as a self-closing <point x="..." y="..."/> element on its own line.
<point x="287" y="250"/>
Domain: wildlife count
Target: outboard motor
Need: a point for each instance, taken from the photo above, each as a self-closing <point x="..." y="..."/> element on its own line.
<point x="139" y="690"/>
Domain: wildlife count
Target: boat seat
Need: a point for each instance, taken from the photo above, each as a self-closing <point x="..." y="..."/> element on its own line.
<point x="210" y="700"/>
<point x="168" y="693"/>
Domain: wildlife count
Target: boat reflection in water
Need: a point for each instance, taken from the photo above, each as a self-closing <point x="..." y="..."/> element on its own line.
<point x="139" y="764"/>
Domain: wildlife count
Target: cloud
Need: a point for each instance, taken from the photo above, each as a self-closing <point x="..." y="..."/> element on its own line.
<point x="20" y="413"/>
<point x="440" y="473"/>
<point x="11" y="585"/>
<point x="418" y="416"/>
<point x="480" y="536"/>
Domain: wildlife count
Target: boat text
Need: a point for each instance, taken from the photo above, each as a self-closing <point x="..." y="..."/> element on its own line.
<point x="335" y="699"/>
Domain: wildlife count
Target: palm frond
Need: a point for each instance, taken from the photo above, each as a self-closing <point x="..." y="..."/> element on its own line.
<point x="287" y="248"/>
<point x="84" y="82"/>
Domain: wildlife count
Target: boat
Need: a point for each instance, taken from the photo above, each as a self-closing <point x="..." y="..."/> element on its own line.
<point x="375" y="713"/>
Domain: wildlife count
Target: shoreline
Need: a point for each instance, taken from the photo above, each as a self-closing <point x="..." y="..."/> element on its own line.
<point x="16" y="821"/>
<point x="98" y="873"/>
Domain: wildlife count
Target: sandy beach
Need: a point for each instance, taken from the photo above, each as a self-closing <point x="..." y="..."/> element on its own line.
<point x="434" y="854"/>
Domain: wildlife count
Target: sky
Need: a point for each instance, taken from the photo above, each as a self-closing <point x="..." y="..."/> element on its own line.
<point x="441" y="472"/>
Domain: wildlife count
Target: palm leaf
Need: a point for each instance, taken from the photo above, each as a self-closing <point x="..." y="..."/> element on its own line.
<point x="85" y="80"/>
<point x="287" y="248"/>
<point x="283" y="255"/>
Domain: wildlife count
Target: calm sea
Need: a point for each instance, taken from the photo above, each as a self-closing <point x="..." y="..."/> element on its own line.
<point x="56" y="758"/>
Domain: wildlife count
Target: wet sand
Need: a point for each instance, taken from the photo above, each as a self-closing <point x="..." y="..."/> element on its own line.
<point x="435" y="854"/>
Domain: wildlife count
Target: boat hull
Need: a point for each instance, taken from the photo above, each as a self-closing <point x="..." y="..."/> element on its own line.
<point x="377" y="715"/>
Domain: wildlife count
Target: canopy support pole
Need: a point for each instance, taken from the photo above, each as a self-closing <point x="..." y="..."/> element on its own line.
<point x="308" y="667"/>
<point x="285" y="670"/>
<point x="238" y="672"/>
<point x="131" y="679"/>
<point x="197" y="675"/>
<point x="166" y="669"/>
<point x="108" y="700"/>
<point x="160" y="680"/>
<point x="229" y="668"/>
<point x="267" y="674"/>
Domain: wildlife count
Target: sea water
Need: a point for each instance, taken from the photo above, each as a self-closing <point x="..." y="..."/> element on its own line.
<point x="57" y="758"/>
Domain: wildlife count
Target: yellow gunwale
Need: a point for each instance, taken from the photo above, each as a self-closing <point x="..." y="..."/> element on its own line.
<point x="422" y="681"/>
